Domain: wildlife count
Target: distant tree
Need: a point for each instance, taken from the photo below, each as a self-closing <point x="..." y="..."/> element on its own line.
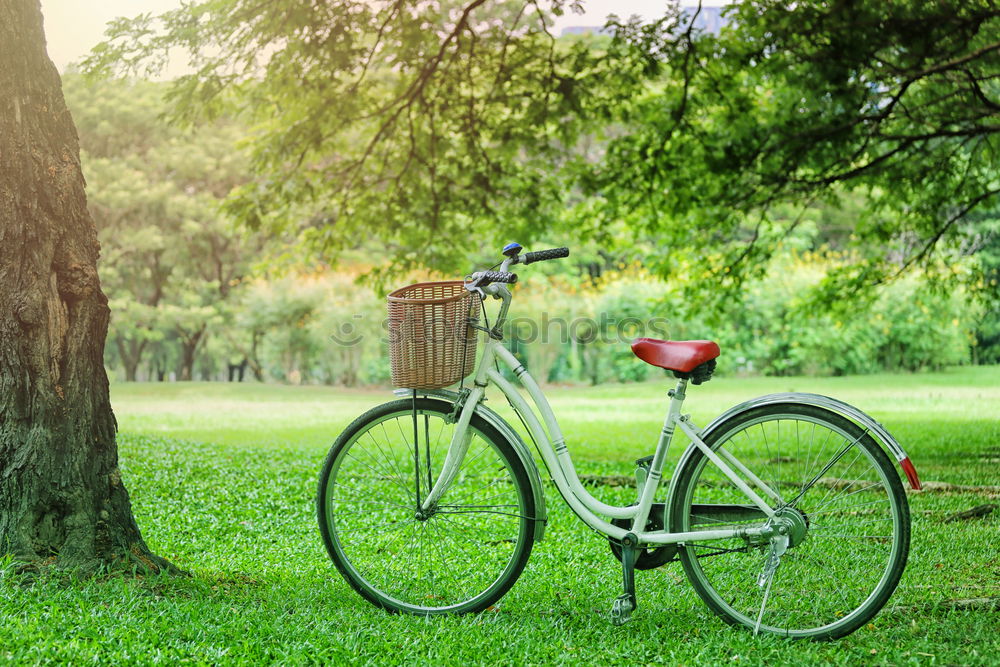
<point x="62" y="500"/>
<point x="436" y="125"/>
<point x="171" y="257"/>
<point x="984" y="238"/>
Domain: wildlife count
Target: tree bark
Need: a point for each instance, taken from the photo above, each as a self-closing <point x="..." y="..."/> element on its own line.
<point x="62" y="501"/>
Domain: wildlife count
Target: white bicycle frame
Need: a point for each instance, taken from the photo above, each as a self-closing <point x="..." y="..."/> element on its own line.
<point x="556" y="456"/>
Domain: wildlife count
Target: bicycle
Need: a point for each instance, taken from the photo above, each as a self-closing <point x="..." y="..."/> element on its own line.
<point x="786" y="512"/>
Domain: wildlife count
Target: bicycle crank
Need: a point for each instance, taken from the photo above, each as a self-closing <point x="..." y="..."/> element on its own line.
<point x="626" y="603"/>
<point x="647" y="558"/>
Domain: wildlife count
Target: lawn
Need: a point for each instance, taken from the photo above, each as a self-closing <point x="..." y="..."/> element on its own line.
<point x="222" y="478"/>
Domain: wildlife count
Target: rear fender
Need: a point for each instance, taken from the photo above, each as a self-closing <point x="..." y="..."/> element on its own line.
<point x="876" y="430"/>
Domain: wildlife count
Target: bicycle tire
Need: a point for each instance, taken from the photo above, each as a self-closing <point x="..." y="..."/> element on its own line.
<point x="463" y="557"/>
<point x="828" y="584"/>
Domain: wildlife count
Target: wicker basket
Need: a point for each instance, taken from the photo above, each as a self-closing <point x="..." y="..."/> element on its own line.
<point x="431" y="344"/>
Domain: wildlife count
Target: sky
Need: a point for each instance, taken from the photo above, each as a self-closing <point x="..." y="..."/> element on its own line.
<point x="73" y="27"/>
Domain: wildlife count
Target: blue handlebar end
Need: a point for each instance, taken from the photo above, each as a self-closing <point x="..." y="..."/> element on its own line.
<point x="512" y="249"/>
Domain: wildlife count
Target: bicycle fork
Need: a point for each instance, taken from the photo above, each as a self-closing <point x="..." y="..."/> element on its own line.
<point x="456" y="452"/>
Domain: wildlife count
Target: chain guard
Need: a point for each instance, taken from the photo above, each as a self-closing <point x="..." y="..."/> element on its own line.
<point x="652" y="557"/>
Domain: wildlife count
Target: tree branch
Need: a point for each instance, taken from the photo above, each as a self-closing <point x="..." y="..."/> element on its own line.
<point x="414" y="90"/>
<point x="943" y="229"/>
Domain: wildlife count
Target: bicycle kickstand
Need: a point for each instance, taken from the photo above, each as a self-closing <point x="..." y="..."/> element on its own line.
<point x="626" y="603"/>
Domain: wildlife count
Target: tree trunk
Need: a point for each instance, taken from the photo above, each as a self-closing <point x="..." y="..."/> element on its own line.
<point x="131" y="354"/>
<point x="131" y="371"/>
<point x="62" y="501"/>
<point x="189" y="348"/>
<point x="255" y="366"/>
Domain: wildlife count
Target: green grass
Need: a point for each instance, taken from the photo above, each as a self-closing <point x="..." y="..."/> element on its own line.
<point x="222" y="479"/>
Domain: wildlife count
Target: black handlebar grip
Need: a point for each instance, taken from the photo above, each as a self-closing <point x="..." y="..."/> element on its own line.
<point x="484" y="278"/>
<point x="542" y="255"/>
<point x="502" y="277"/>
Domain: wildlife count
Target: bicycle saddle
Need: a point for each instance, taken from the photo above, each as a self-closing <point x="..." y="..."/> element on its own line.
<point x="680" y="356"/>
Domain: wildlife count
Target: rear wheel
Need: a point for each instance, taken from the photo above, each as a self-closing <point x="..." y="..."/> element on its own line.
<point x="460" y="556"/>
<point x="842" y="507"/>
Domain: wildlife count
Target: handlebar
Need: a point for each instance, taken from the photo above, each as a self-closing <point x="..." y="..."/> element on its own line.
<point x="484" y="278"/>
<point x="477" y="281"/>
<point x="481" y="279"/>
<point x="542" y="255"/>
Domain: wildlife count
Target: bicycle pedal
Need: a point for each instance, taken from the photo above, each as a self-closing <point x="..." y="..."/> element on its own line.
<point x="621" y="609"/>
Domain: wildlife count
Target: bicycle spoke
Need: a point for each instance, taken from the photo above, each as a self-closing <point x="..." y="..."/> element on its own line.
<point x="826" y="468"/>
<point x="871" y="486"/>
<point x="844" y="474"/>
<point x="846" y="507"/>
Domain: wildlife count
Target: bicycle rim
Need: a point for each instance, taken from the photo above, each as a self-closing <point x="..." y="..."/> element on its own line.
<point x="851" y="526"/>
<point x="462" y="556"/>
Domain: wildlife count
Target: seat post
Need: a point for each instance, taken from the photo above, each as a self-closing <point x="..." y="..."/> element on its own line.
<point x="655" y="470"/>
<point x="677" y="396"/>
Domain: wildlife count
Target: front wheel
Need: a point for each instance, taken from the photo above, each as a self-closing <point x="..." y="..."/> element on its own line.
<point x="842" y="511"/>
<point x="460" y="556"/>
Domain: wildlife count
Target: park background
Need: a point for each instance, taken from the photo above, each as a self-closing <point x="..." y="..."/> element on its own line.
<point x="193" y="292"/>
<point x="222" y="475"/>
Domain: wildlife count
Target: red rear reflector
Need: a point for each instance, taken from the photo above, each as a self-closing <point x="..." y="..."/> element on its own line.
<point x="911" y="473"/>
